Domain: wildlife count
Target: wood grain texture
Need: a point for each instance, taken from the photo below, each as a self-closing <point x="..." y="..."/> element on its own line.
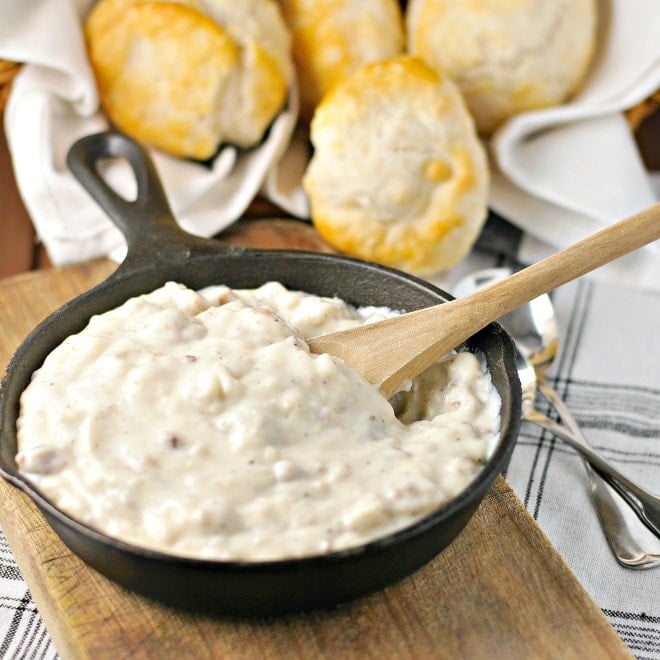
<point x="499" y="591"/>
<point x="275" y="234"/>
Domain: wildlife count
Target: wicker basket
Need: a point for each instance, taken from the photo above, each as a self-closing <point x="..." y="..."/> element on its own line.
<point x="7" y="72"/>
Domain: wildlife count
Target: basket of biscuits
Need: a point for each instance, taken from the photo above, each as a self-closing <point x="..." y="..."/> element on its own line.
<point x="375" y="122"/>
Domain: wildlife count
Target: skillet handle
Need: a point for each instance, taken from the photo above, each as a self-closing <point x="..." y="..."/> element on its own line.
<point x="147" y="222"/>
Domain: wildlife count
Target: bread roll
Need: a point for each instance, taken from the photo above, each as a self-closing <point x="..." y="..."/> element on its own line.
<point x="398" y="175"/>
<point x="266" y="70"/>
<point x="332" y="38"/>
<point x="507" y="56"/>
<point x="187" y="76"/>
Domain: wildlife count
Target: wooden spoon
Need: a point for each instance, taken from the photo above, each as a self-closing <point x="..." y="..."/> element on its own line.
<point x="393" y="351"/>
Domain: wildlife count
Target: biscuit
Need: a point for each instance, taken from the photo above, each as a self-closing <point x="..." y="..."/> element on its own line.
<point x="189" y="75"/>
<point x="332" y="38"/>
<point x="398" y="174"/>
<point x="506" y="57"/>
<point x="266" y="69"/>
<point x="145" y="82"/>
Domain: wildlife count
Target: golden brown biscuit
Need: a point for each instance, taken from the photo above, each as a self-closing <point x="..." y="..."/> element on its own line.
<point x="332" y="38"/>
<point x="266" y="67"/>
<point x="398" y="175"/>
<point x="187" y="76"/>
<point x="145" y="81"/>
<point x="104" y="13"/>
<point x="507" y="56"/>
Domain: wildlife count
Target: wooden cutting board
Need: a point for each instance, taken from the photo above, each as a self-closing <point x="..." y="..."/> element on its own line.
<point x="499" y="591"/>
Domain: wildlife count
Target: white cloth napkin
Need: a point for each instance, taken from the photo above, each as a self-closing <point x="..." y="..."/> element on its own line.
<point x="566" y="172"/>
<point x="54" y="101"/>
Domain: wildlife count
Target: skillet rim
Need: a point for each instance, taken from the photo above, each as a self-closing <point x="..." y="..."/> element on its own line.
<point x="171" y="254"/>
<point x="8" y="430"/>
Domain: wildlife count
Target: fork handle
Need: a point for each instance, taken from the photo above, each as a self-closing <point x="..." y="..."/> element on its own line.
<point x="644" y="504"/>
<point x="632" y="543"/>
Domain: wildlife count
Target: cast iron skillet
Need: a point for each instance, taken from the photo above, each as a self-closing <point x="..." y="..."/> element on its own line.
<point x="158" y="251"/>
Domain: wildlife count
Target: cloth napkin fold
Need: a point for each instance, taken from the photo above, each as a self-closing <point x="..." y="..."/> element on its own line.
<point x="559" y="174"/>
<point x="54" y="101"/>
<point x="563" y="173"/>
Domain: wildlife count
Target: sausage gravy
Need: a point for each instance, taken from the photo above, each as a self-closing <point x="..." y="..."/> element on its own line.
<point x="199" y="424"/>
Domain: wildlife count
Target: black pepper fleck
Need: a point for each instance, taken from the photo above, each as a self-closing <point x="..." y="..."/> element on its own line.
<point x="173" y="441"/>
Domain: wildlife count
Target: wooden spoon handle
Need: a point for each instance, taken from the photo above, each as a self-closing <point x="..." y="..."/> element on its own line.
<point x="475" y="311"/>
<point x="566" y="265"/>
<point x="392" y="351"/>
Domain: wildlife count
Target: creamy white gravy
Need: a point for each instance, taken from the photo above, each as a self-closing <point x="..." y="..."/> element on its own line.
<point x="198" y="423"/>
